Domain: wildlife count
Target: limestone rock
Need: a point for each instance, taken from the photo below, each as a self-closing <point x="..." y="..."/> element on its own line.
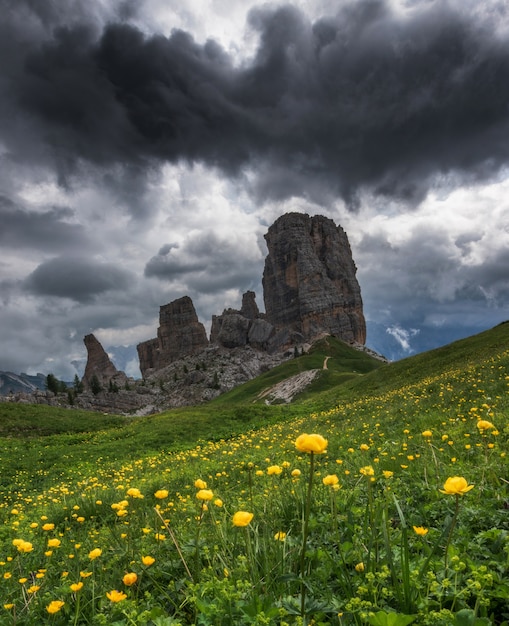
<point x="179" y="334"/>
<point x="100" y="365"/>
<point x="309" y="280"/>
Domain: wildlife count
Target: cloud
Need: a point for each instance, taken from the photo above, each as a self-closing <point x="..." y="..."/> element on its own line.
<point x="403" y="336"/>
<point x="373" y="96"/>
<point x="208" y="262"/>
<point x="77" y="278"/>
<point x="49" y="230"/>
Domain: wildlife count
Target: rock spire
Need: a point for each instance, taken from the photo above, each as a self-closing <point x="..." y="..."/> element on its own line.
<point x="309" y="280"/>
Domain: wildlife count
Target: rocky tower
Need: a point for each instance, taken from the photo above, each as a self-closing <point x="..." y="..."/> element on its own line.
<point x="309" y="282"/>
<point x="179" y="334"/>
<point x="99" y="365"/>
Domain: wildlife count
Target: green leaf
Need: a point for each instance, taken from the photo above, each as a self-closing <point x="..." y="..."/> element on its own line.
<point x="390" y="619"/>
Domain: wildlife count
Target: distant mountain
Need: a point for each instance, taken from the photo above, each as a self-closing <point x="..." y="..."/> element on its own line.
<point x="15" y="383"/>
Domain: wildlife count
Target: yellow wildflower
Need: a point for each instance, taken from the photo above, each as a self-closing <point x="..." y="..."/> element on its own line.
<point x="205" y="494"/>
<point x="311" y="443"/>
<point x="76" y="586"/>
<point x="116" y="596"/>
<point x="95" y="553"/>
<point x="456" y="485"/>
<point x="420" y="530"/>
<point x="161" y="494"/>
<point x="274" y="470"/>
<point x="330" y="480"/>
<point x="200" y="484"/>
<point x="130" y="578"/>
<point x="134" y="492"/>
<point x="147" y="560"/>
<point x="242" y="518"/>
<point x="54" y="606"/>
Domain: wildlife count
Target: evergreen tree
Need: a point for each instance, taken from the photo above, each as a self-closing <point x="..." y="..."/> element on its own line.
<point x="52" y="383"/>
<point x="78" y="385"/>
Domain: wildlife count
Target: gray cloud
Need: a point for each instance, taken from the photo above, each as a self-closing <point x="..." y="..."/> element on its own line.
<point x="77" y="278"/>
<point x="207" y="263"/>
<point x="46" y="231"/>
<point x="364" y="97"/>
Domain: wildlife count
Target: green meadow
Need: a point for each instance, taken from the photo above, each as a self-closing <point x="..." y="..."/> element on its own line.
<point x="378" y="496"/>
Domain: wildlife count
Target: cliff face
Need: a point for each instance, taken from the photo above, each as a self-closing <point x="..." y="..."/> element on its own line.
<point x="309" y="280"/>
<point x="179" y="334"/>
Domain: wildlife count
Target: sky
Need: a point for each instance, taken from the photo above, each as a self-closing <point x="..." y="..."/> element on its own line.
<point x="147" y="145"/>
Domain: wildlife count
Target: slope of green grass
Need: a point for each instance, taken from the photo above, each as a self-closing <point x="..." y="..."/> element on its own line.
<point x="401" y="519"/>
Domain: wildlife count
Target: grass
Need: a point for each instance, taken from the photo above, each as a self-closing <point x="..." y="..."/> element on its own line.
<point x="130" y="521"/>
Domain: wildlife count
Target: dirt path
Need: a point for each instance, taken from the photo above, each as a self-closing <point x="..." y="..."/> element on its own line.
<point x="325" y="362"/>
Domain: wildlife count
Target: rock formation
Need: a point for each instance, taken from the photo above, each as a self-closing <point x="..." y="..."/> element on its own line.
<point x="310" y="289"/>
<point x="309" y="280"/>
<point x="234" y="329"/>
<point x="100" y="366"/>
<point x="179" y="334"/>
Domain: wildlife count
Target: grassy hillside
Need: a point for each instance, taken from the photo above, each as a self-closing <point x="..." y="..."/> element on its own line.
<point x="401" y="515"/>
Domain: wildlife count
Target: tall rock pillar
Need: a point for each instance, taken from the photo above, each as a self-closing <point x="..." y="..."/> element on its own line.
<point x="309" y="280"/>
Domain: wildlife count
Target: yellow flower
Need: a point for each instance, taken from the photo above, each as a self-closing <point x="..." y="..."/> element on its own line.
<point x="296" y="473"/>
<point x="200" y="484"/>
<point x="8" y="606"/>
<point x="242" y="518"/>
<point x="456" y="485"/>
<point x="135" y="493"/>
<point x="330" y="480"/>
<point x="33" y="588"/>
<point x="161" y="494"/>
<point x="76" y="586"/>
<point x="95" y="553"/>
<point x="311" y="443"/>
<point x="388" y="474"/>
<point x="55" y="606"/>
<point x="483" y="425"/>
<point x="205" y="494"/>
<point x="130" y="578"/>
<point x="147" y="560"/>
<point x="367" y="470"/>
<point x="48" y="526"/>
<point x="280" y="536"/>
<point x="23" y="546"/>
<point x="364" y="447"/>
<point x="85" y="574"/>
<point x="420" y="530"/>
<point x="54" y="543"/>
<point x="116" y="596"/>
<point x="427" y="433"/>
<point x="274" y="470"/>
<point x="218" y="502"/>
<point x="359" y="567"/>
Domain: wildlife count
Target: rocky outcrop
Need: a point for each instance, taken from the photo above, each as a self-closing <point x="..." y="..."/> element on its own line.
<point x="99" y="366"/>
<point x="247" y="327"/>
<point x="309" y="281"/>
<point x="310" y="289"/>
<point x="179" y="334"/>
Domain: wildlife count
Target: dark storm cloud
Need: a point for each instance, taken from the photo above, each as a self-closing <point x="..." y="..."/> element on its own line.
<point x="47" y="231"/>
<point x="367" y="97"/>
<point x="77" y="278"/>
